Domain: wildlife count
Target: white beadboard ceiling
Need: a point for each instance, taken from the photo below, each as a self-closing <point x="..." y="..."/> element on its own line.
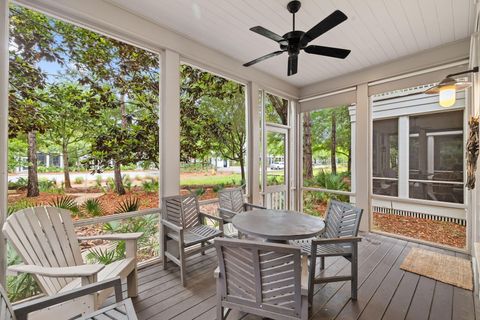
<point x="377" y="31"/>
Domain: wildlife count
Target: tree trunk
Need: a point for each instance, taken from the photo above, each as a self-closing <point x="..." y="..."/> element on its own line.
<point x="333" y="145"/>
<point x="242" y="170"/>
<point x="32" y="187"/>
<point x="307" y="146"/>
<point x="66" y="168"/>
<point x="119" y="188"/>
<point x="350" y="159"/>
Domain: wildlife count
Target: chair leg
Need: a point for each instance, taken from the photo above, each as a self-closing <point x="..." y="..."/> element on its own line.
<point x="311" y="279"/>
<point x="183" y="273"/>
<point x="132" y="283"/>
<point x="220" y="312"/>
<point x="203" y="250"/>
<point x="322" y="263"/>
<point x="163" y="248"/>
<point x="354" y="264"/>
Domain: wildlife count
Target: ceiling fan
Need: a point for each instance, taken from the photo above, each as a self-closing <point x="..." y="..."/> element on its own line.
<point x="296" y="40"/>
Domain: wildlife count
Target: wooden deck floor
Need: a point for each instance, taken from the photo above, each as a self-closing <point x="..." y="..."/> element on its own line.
<point x="385" y="291"/>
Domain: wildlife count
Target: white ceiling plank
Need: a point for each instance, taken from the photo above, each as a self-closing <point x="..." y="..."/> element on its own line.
<point x="377" y="31"/>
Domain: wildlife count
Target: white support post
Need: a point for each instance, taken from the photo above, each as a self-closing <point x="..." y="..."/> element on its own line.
<point x="4" y="23"/>
<point x="170" y="124"/>
<point x="362" y="155"/>
<point x="403" y="156"/>
<point x="253" y="142"/>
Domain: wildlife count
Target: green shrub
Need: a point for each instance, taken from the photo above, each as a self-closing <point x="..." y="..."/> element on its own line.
<point x="150" y="185"/>
<point x="218" y="187"/>
<point x="19" y="184"/>
<point x="199" y="192"/>
<point x="79" y="180"/>
<point x="93" y="207"/>
<point x="19" y="205"/>
<point x="22" y="286"/>
<point x="329" y="181"/>
<point x="128" y="205"/>
<point x="66" y="202"/>
<point x="110" y="184"/>
<point x="127" y="182"/>
<point x="46" y="185"/>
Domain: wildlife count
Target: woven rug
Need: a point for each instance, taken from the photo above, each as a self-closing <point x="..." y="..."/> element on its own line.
<point x="448" y="269"/>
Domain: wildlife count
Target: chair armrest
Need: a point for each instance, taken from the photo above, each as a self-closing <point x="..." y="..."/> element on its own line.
<point x="23" y="309"/>
<point x="209" y="216"/>
<point x="304" y="275"/>
<point x="251" y="205"/>
<point x="85" y="270"/>
<point x="216" y="273"/>
<point x="226" y="214"/>
<point x="171" y="225"/>
<point x="114" y="236"/>
<point x="336" y="240"/>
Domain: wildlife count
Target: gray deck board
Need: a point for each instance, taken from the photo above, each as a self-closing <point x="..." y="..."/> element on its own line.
<point x="385" y="291"/>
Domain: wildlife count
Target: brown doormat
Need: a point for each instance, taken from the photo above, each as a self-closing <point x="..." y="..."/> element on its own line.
<point x="441" y="267"/>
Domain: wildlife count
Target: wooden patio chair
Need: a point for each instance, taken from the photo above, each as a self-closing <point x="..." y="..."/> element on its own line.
<point x="339" y="239"/>
<point x="45" y="239"/>
<point x="120" y="310"/>
<point x="262" y="279"/>
<point x="231" y="202"/>
<point x="184" y="231"/>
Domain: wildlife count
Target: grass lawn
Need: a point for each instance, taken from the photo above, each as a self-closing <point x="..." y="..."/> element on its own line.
<point x="209" y="180"/>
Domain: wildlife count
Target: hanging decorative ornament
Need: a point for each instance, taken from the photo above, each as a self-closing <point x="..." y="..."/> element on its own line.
<point x="472" y="152"/>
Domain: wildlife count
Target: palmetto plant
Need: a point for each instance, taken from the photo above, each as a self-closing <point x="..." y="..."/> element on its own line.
<point x="65" y="202"/>
<point x="128" y="205"/>
<point x="19" y="205"/>
<point x="21" y="286"/>
<point x="93" y="207"/>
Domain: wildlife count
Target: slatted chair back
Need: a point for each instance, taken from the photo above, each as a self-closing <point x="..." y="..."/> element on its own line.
<point x="260" y="276"/>
<point x="182" y="210"/>
<point x="231" y="199"/>
<point x="6" y="311"/>
<point x="45" y="236"/>
<point x="342" y="220"/>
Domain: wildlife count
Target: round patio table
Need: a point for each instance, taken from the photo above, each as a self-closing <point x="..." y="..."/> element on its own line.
<point x="278" y="225"/>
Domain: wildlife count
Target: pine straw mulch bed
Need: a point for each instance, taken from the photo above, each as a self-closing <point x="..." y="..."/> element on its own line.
<point x="442" y="232"/>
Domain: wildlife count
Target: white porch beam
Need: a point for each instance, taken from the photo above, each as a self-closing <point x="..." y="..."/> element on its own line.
<point x="404" y="156"/>
<point x="3" y="132"/>
<point x="253" y="142"/>
<point x="362" y="155"/>
<point x="170" y="124"/>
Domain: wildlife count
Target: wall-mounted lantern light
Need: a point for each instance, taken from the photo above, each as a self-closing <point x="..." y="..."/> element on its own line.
<point x="448" y="87"/>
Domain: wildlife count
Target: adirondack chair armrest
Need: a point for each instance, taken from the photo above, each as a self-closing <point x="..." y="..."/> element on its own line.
<point x="113" y="236"/>
<point x="172" y="226"/>
<point x="336" y="240"/>
<point x="22" y="310"/>
<point x="255" y="206"/>
<point x="304" y="275"/>
<point x="216" y="273"/>
<point x="86" y="270"/>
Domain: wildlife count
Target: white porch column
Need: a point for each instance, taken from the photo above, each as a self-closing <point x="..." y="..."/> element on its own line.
<point x="362" y="155"/>
<point x="404" y="157"/>
<point x="253" y="143"/>
<point x="170" y="124"/>
<point x="47" y="160"/>
<point x="3" y="131"/>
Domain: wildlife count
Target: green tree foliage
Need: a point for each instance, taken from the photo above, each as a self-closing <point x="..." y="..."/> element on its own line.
<point x="32" y="39"/>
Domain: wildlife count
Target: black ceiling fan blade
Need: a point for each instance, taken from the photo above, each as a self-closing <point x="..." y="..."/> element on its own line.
<point x="267" y="33"/>
<point x="328" y="51"/>
<point x="292" y="64"/>
<point x="323" y="26"/>
<point x="273" y="54"/>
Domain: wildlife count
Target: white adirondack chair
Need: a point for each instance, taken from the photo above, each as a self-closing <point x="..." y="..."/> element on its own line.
<point x="45" y="239"/>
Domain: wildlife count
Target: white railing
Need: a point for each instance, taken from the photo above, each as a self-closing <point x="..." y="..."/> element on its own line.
<point x="276" y="200"/>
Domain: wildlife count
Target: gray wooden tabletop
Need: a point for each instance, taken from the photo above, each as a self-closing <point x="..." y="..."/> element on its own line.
<point x="278" y="225"/>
